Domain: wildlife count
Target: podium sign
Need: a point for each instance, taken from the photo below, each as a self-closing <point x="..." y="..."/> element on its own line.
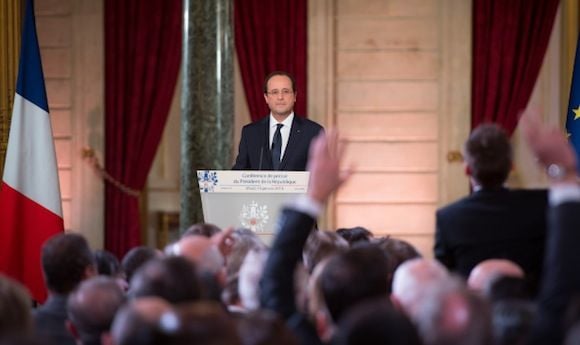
<point x="246" y="198"/>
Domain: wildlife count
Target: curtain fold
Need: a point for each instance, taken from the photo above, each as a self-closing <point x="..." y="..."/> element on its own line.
<point x="142" y="61"/>
<point x="510" y="39"/>
<point x="271" y="35"/>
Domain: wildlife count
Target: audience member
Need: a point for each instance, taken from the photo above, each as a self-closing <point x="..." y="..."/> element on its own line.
<point x="174" y="279"/>
<point x="137" y="257"/>
<point x="137" y="323"/>
<point x="512" y="321"/>
<point x="376" y="322"/>
<point x="351" y="277"/>
<point x="264" y="327"/>
<point x="66" y="261"/>
<point x="561" y="280"/>
<point x="198" y="323"/>
<point x="494" y="221"/>
<point x="322" y="244"/>
<point x="92" y="308"/>
<point x="203" y="252"/>
<point x="208" y="259"/>
<point x="107" y="263"/>
<point x="454" y="315"/>
<point x="202" y="229"/>
<point x="355" y="235"/>
<point x="508" y="288"/>
<point x="15" y="304"/>
<point x="410" y="282"/>
<point x="397" y="252"/>
<point x="249" y="278"/>
<point x="316" y="308"/>
<point x="488" y="271"/>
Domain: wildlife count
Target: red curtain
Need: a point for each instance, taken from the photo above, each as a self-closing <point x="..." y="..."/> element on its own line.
<point x="271" y="35"/>
<point x="509" y="43"/>
<point x="142" y="60"/>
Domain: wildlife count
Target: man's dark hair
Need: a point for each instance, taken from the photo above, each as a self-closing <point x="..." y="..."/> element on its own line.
<point x="107" y="263"/>
<point x="397" y="252"/>
<point x="351" y="277"/>
<point x="264" y="327"/>
<point x="15" y="308"/>
<point x="201" y="229"/>
<point x="376" y="322"/>
<point x="65" y="258"/>
<point x="488" y="153"/>
<point x="92" y="307"/>
<point x="136" y="258"/>
<point x="320" y="245"/>
<point x="173" y="279"/>
<point x="281" y="73"/>
<point x="355" y="235"/>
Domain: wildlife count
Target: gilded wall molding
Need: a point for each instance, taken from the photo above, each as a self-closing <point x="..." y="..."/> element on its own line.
<point x="10" y="23"/>
<point x="570" y="18"/>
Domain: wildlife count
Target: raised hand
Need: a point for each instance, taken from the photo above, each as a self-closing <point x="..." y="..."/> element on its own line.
<point x="550" y="146"/>
<point x="326" y="152"/>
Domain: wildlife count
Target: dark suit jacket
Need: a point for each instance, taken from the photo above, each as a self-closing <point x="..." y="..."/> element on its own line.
<point x="254" y="150"/>
<point x="561" y="281"/>
<point x="277" y="283"/>
<point x="501" y="223"/>
<point x="49" y="321"/>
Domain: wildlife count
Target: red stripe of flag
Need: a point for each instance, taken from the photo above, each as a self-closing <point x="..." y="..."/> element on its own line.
<point x="24" y="227"/>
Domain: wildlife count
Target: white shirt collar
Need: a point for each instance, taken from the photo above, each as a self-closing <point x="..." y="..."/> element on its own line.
<point x="287" y="121"/>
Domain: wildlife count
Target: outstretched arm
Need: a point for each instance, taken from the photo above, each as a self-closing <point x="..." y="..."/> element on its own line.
<point x="295" y="224"/>
<point x="561" y="280"/>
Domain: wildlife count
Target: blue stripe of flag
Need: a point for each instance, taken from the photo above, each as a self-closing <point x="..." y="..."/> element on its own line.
<point x="30" y="84"/>
<point x="573" y="115"/>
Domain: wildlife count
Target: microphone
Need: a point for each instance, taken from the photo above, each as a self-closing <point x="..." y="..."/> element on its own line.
<point x="261" y="155"/>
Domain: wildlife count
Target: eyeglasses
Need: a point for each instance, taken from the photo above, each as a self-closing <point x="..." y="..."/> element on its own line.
<point x="284" y="92"/>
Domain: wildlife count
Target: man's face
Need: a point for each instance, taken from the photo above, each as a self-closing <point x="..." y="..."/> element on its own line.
<point x="280" y="95"/>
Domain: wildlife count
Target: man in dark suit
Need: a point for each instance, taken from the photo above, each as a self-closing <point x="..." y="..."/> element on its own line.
<point x="281" y="140"/>
<point x="66" y="261"/>
<point x="492" y="222"/>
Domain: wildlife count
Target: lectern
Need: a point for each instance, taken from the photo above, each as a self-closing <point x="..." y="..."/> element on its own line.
<point x="249" y="199"/>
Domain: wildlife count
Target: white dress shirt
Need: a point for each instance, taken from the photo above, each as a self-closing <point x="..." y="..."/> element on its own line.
<point x="284" y="131"/>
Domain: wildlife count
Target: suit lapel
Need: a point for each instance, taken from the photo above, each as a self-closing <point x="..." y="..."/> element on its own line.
<point x="265" y="145"/>
<point x="293" y="141"/>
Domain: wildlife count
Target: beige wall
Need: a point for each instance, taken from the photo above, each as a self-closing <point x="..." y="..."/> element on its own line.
<point x="392" y="76"/>
<point x="70" y="34"/>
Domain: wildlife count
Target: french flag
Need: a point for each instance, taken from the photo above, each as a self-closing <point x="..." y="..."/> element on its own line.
<point x="30" y="205"/>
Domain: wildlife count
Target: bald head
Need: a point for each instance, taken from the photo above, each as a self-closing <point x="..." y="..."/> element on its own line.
<point x="202" y="251"/>
<point x="486" y="272"/>
<point x="412" y="279"/>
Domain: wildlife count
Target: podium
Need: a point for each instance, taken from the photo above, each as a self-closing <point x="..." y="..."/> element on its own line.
<point x="247" y="198"/>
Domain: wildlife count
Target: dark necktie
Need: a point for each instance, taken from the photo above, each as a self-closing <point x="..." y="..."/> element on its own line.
<point x="277" y="147"/>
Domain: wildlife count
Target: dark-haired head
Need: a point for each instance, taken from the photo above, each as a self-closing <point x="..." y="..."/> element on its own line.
<point x="488" y="155"/>
<point x="279" y="73"/>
